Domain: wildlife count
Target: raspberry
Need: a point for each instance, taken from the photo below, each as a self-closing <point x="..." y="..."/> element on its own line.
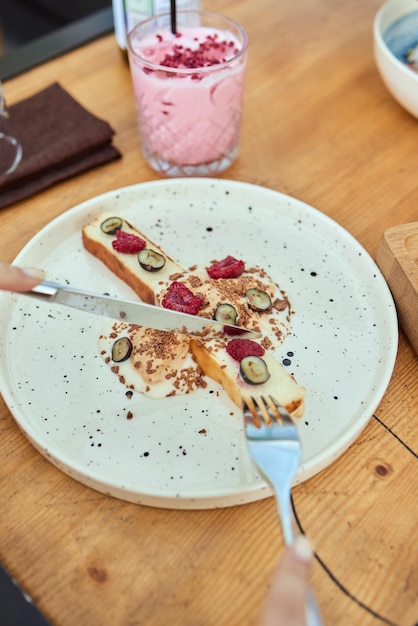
<point x="180" y="298"/>
<point x="240" y="348"/>
<point x="209" y="52"/>
<point x="127" y="243"/>
<point x="227" y="268"/>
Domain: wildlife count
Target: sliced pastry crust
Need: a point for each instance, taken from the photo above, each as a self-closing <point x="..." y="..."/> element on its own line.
<point x="210" y="354"/>
<point x="126" y="266"/>
<point x="221" y="367"/>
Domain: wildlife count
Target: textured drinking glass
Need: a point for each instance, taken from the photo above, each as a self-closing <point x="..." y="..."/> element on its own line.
<point x="10" y="148"/>
<point x="188" y="91"/>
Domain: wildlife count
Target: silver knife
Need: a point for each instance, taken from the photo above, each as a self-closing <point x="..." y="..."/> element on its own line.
<point x="130" y="311"/>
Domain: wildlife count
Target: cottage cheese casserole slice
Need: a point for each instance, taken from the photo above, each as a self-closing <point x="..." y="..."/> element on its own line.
<point x="160" y="364"/>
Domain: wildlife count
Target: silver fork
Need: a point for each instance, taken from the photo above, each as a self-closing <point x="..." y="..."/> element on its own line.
<point x="274" y="445"/>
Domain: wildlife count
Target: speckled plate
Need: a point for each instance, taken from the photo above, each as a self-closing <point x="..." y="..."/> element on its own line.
<point x="189" y="451"/>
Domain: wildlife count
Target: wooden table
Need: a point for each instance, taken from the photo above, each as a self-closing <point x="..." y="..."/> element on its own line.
<point x="318" y="125"/>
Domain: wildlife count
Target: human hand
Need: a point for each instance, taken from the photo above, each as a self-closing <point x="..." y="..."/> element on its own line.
<point x="286" y="602"/>
<point x="14" y="278"/>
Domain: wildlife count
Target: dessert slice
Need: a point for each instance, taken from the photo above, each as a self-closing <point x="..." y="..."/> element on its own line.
<point x="121" y="247"/>
<point x="152" y="362"/>
<point x="250" y="376"/>
<point x="226" y="290"/>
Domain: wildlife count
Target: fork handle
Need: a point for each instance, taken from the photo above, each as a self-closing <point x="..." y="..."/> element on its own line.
<point x="313" y="617"/>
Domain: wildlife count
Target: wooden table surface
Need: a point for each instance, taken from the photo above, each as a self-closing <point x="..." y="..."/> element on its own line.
<point x="318" y="125"/>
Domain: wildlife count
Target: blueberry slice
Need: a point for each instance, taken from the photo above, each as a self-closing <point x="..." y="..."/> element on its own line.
<point x="226" y="314"/>
<point x="122" y="349"/>
<point x="150" y="260"/>
<point x="111" y="225"/>
<point x="254" y="370"/>
<point x="258" y="300"/>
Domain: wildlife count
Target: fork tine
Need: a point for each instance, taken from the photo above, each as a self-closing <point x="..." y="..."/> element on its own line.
<point x="266" y="409"/>
<point x="250" y="407"/>
<point x="280" y="411"/>
<point x="274" y="408"/>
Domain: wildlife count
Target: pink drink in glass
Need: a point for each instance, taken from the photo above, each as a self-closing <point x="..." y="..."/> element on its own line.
<point x="188" y="91"/>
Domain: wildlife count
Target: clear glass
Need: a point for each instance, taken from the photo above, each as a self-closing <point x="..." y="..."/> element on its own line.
<point x="10" y="148"/>
<point x="189" y="118"/>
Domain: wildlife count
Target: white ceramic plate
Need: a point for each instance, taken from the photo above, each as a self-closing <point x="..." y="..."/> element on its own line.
<point x="189" y="451"/>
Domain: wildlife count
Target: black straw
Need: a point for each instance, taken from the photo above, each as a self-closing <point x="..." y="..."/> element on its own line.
<point x="173" y="16"/>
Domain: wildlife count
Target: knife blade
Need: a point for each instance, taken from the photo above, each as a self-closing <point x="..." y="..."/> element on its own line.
<point x="131" y="311"/>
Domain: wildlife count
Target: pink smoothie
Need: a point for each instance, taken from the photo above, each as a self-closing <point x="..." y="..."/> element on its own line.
<point x="188" y="94"/>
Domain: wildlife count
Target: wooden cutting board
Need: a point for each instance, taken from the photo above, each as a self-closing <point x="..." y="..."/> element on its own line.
<point x="397" y="258"/>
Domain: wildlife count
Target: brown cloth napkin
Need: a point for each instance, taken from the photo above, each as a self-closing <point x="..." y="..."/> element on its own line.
<point x="59" y="139"/>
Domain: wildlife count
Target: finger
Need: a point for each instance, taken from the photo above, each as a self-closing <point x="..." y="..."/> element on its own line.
<point x="14" y="278"/>
<point x="286" y="601"/>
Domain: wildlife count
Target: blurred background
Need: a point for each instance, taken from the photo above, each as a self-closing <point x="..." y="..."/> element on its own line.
<point x="22" y="21"/>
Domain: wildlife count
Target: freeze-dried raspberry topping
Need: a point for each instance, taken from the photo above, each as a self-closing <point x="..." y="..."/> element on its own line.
<point x="127" y="243"/>
<point x="227" y="268"/>
<point x="211" y="51"/>
<point x="240" y="348"/>
<point x="180" y="298"/>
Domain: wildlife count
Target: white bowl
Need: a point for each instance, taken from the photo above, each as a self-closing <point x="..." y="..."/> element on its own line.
<point x="395" y="31"/>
